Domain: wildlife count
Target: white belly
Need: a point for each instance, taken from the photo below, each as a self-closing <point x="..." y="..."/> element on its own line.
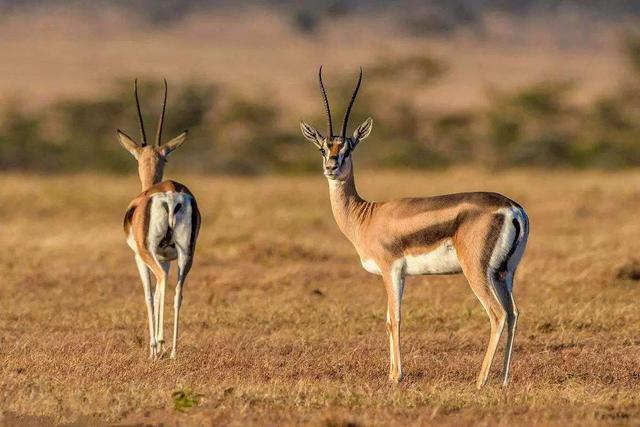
<point x="441" y="260"/>
<point x="371" y="266"/>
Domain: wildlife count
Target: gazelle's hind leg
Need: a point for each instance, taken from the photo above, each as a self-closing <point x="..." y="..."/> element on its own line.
<point x="148" y="299"/>
<point x="491" y="279"/>
<point x="161" y="286"/>
<point x="184" y="266"/>
<point x="472" y="252"/>
<point x="512" y="321"/>
<point x="484" y="291"/>
<point x="185" y="234"/>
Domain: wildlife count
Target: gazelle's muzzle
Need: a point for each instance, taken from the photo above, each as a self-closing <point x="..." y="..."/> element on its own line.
<point x="331" y="166"/>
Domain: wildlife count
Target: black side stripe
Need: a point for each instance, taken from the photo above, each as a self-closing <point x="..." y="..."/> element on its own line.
<point x="430" y="235"/>
<point x="494" y="234"/>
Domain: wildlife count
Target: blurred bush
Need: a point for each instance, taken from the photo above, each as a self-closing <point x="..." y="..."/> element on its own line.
<point x="305" y="21"/>
<point x="632" y="50"/>
<point x="537" y="126"/>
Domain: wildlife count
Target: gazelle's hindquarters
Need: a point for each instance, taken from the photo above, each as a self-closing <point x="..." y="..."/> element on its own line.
<point x="499" y="249"/>
<point x="172" y="230"/>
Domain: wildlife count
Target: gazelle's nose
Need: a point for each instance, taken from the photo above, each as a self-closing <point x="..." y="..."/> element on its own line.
<point x="332" y="163"/>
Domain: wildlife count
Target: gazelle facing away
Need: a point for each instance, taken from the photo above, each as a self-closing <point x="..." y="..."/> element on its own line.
<point x="482" y="235"/>
<point x="161" y="225"/>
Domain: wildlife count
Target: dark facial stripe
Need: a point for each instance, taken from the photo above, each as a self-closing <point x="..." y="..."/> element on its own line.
<point x="490" y="242"/>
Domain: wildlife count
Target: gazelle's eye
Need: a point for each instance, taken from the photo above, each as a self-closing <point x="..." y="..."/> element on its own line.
<point x="322" y="151"/>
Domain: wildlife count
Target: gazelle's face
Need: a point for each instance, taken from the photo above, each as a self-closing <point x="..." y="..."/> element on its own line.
<point x="336" y="151"/>
<point x="335" y="157"/>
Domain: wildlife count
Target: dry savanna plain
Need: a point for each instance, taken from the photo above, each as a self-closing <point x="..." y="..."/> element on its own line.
<point x="281" y="325"/>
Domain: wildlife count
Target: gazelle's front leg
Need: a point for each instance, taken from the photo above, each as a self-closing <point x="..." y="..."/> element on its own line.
<point x="394" y="285"/>
<point x="148" y="299"/>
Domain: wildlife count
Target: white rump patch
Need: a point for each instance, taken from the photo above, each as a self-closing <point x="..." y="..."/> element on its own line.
<point x="506" y="240"/>
<point x="165" y="216"/>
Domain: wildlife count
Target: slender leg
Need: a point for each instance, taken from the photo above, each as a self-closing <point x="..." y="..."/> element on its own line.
<point x="156" y="312"/>
<point x="512" y="320"/>
<point x="148" y="299"/>
<point x="497" y="317"/>
<point x="184" y="265"/>
<point x="394" y="284"/>
<point x="392" y="362"/>
<point x="161" y="287"/>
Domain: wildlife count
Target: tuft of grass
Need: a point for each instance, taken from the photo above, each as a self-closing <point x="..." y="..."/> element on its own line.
<point x="185" y="398"/>
<point x="629" y="271"/>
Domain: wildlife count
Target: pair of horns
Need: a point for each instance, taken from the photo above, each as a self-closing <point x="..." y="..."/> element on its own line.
<point x="143" y="134"/>
<point x="345" y="121"/>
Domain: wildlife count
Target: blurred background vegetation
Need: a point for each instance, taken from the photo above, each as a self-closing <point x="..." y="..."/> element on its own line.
<point x="240" y="131"/>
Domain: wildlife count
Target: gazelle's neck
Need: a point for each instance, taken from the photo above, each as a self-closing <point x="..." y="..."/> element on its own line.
<point x="349" y="209"/>
<point x="150" y="174"/>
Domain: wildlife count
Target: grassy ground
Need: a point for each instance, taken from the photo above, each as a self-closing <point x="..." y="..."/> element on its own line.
<point x="282" y="326"/>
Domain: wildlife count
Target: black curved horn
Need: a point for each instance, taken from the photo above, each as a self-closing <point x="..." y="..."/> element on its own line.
<point x="326" y="103"/>
<point x="161" y="120"/>
<point x="140" y="121"/>
<point x="345" y="121"/>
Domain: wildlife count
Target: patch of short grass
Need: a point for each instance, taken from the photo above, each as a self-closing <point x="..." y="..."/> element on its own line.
<point x="185" y="398"/>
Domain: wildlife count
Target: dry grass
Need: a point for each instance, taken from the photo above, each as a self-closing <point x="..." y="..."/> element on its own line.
<point x="282" y="326"/>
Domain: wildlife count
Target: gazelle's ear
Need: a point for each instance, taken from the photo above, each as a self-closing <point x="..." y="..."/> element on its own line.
<point x="176" y="142"/>
<point x="128" y="143"/>
<point x="311" y="134"/>
<point x="362" y="131"/>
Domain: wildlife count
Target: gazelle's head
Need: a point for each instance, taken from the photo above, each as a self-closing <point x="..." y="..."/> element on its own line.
<point x="336" y="150"/>
<point x="151" y="158"/>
